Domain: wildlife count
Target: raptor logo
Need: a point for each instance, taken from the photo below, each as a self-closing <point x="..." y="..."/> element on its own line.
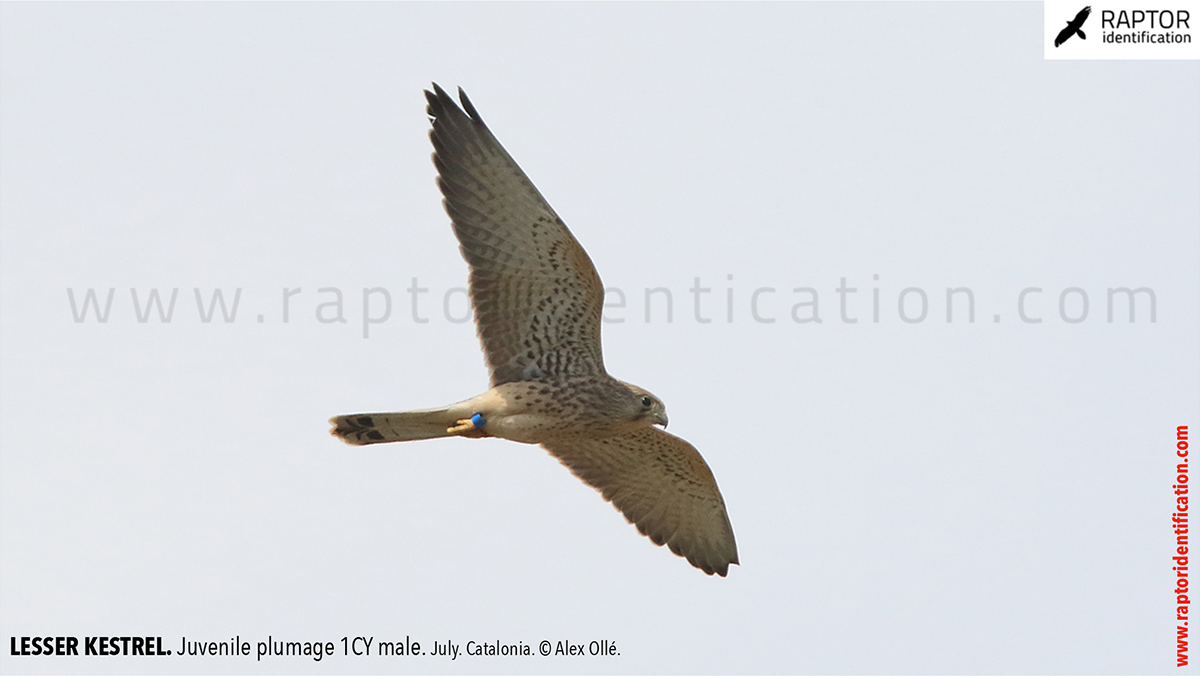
<point x="1074" y="26"/>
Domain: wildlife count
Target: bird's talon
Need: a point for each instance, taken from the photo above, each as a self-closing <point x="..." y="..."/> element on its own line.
<point x="461" y="427"/>
<point x="469" y="426"/>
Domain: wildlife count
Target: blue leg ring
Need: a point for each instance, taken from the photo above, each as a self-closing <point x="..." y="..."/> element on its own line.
<point x="478" y="421"/>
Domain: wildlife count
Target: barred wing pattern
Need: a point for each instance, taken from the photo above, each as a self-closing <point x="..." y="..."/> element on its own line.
<point x="661" y="484"/>
<point x="536" y="294"/>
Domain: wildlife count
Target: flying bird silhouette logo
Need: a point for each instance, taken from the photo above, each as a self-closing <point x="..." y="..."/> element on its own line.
<point x="1074" y="26"/>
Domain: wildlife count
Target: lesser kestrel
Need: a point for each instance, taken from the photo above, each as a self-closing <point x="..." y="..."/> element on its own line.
<point x="537" y="301"/>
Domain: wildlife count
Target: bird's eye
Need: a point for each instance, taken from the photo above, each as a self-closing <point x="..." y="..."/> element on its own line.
<point x="647" y="402"/>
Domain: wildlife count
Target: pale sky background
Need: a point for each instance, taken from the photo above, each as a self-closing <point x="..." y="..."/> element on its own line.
<point x="936" y="497"/>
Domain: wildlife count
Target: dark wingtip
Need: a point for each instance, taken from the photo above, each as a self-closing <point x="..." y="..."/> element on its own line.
<point x="439" y="101"/>
<point x="723" y="569"/>
<point x="468" y="106"/>
<point x="435" y="100"/>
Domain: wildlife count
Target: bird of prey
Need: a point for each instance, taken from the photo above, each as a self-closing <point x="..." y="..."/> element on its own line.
<point x="537" y="300"/>
<point x="1074" y="26"/>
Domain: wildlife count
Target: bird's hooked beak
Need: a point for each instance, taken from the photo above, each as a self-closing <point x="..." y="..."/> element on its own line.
<point x="661" y="419"/>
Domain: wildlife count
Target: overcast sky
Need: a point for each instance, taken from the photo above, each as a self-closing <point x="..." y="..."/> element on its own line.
<point x="980" y="489"/>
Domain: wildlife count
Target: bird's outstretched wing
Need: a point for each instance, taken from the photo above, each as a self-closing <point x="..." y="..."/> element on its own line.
<point x="661" y="484"/>
<point x="536" y="294"/>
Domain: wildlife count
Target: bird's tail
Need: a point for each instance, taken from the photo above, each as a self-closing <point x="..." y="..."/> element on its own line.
<point x="377" y="428"/>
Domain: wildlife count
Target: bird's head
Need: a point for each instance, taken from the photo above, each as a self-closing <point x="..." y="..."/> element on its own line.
<point x="647" y="407"/>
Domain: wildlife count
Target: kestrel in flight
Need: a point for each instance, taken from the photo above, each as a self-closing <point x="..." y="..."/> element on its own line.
<point x="537" y="301"/>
